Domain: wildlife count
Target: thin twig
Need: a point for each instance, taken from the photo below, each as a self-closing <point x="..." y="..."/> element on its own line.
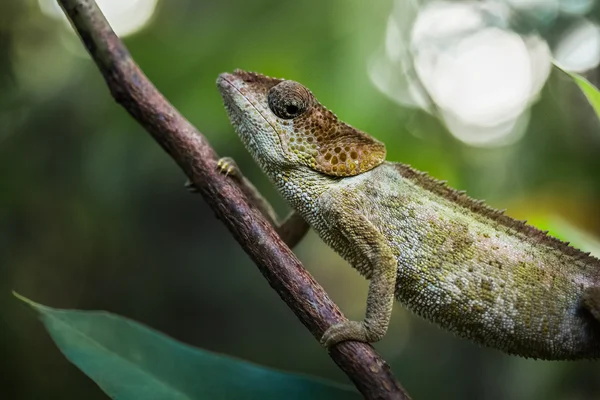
<point x="191" y="151"/>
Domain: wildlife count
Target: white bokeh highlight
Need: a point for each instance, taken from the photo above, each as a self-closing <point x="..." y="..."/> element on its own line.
<point x="579" y="49"/>
<point x="125" y="16"/>
<point x="575" y="7"/>
<point x="462" y="62"/>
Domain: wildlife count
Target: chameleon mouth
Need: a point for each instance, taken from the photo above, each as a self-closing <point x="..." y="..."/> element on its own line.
<point x="225" y="82"/>
<point x="232" y="88"/>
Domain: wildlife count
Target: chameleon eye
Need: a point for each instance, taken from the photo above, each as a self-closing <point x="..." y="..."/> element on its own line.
<point x="289" y="99"/>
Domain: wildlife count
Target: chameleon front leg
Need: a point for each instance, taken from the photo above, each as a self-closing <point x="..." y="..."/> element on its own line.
<point x="291" y="230"/>
<point x="382" y="274"/>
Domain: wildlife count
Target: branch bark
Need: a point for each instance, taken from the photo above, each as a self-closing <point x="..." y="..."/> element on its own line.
<point x="191" y="151"/>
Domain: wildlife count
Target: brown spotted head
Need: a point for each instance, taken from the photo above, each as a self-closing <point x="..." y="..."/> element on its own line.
<point x="282" y="122"/>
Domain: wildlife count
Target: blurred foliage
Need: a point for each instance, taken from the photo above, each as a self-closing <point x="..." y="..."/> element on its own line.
<point x="130" y="361"/>
<point x="590" y="91"/>
<point x="93" y="215"/>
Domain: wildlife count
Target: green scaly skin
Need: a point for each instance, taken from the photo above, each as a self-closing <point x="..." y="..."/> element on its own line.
<point x="447" y="257"/>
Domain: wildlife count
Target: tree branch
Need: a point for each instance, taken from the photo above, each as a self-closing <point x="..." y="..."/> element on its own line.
<point x="191" y="151"/>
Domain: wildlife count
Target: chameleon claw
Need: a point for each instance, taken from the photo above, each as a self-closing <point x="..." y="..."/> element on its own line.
<point x="228" y="167"/>
<point x="225" y="165"/>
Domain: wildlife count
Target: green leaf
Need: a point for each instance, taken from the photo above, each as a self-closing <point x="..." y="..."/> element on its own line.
<point x="131" y="361"/>
<point x="589" y="90"/>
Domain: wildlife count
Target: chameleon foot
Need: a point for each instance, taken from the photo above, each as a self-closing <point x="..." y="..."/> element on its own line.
<point x="227" y="166"/>
<point x="349" y="330"/>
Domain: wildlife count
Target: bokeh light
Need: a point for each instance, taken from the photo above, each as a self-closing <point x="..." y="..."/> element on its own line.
<point x="575" y="7"/>
<point x="579" y="49"/>
<point x="479" y="66"/>
<point x="125" y="16"/>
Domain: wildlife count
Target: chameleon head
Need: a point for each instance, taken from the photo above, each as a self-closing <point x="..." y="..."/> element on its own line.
<point x="282" y="123"/>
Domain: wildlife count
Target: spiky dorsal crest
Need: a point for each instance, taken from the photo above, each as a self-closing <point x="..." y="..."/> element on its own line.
<point x="479" y="207"/>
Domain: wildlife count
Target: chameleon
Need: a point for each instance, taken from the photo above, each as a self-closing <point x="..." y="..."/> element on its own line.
<point x="450" y="259"/>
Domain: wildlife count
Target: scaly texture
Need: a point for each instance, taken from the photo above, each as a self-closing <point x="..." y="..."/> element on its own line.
<point x="449" y="258"/>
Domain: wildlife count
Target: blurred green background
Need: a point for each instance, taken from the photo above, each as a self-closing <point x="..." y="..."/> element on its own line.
<point x="93" y="214"/>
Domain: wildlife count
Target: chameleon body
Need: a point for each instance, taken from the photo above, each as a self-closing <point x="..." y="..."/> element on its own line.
<point x="449" y="258"/>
